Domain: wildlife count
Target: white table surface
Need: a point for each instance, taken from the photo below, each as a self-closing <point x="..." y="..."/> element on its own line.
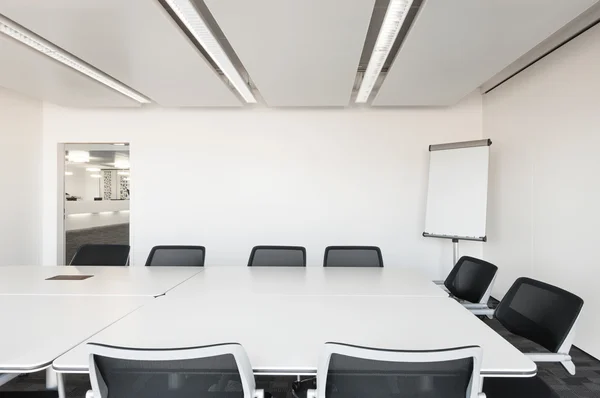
<point x="106" y="281"/>
<point x="286" y="335"/>
<point x="309" y="281"/>
<point x="37" y="329"/>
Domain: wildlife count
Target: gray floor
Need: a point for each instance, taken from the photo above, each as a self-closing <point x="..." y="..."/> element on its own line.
<point x="585" y="384"/>
<point x="112" y="234"/>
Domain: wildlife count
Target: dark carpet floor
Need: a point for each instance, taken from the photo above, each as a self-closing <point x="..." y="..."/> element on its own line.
<point x="552" y="380"/>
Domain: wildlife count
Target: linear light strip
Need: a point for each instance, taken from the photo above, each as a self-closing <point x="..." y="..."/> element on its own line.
<point x="392" y="23"/>
<point x="14" y="31"/>
<point x="192" y="20"/>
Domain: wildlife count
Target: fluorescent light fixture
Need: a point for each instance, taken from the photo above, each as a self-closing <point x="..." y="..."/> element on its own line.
<point x="95" y="176"/>
<point x="119" y="144"/>
<point x="92" y="169"/>
<point x="392" y="23"/>
<point x="68" y="173"/>
<point x="123" y="173"/>
<point x="32" y="40"/>
<point x="192" y="20"/>
<point x="78" y="156"/>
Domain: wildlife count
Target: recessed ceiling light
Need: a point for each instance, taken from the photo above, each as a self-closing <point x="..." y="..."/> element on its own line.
<point x="123" y="173"/>
<point x="68" y="173"/>
<point x="78" y="156"/>
<point x="34" y="41"/>
<point x="92" y="169"/>
<point x="392" y="23"/>
<point x="192" y="20"/>
<point x="95" y="176"/>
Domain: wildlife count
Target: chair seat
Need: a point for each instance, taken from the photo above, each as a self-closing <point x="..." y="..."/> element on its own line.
<point x="524" y="387"/>
<point x="28" y="394"/>
<point x="521" y="343"/>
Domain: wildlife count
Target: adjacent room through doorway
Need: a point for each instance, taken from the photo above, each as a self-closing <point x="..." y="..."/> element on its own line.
<point x="96" y="192"/>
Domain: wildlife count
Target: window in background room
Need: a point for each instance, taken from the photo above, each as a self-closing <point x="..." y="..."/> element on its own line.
<point x="96" y="192"/>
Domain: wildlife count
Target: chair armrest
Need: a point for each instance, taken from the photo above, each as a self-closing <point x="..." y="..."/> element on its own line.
<point x="481" y="395"/>
<point x="482" y="311"/>
<point x="563" y="359"/>
<point x="547" y="357"/>
<point x="311" y="393"/>
<point x="474" y="306"/>
<point x="89" y="394"/>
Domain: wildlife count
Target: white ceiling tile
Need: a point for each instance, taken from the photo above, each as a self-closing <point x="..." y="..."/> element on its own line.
<point x="455" y="46"/>
<point x="27" y="71"/>
<point x="134" y="41"/>
<point x="297" y="52"/>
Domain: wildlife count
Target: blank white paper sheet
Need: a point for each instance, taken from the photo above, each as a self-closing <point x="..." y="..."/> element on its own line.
<point x="457" y="193"/>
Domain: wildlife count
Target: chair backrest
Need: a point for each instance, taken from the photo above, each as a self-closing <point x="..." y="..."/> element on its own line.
<point x="214" y="371"/>
<point x="353" y="256"/>
<point x="278" y="256"/>
<point x="470" y="279"/>
<point x="183" y="256"/>
<point x="540" y="312"/>
<point x="101" y="255"/>
<point x="351" y="371"/>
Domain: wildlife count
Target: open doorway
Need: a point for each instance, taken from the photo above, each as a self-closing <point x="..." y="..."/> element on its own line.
<point x="96" y="195"/>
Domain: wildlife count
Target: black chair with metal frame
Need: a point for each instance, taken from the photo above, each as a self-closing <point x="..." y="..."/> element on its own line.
<point x="176" y="256"/>
<point x="471" y="281"/>
<point x="277" y="256"/>
<point x="543" y="314"/>
<point x="350" y="371"/>
<point x="220" y="370"/>
<point x="353" y="256"/>
<point x="94" y="254"/>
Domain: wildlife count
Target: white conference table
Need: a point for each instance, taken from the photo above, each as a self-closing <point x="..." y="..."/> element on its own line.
<point x="37" y="329"/>
<point x="333" y="281"/>
<point x="286" y="335"/>
<point x="106" y="281"/>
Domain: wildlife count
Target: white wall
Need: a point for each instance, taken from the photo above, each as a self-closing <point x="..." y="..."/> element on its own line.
<point x="84" y="214"/>
<point x="544" y="177"/>
<point x="20" y="173"/>
<point x="81" y="184"/>
<point x="230" y="180"/>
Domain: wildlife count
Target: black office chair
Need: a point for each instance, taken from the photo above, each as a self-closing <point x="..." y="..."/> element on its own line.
<point x="544" y="314"/>
<point x="101" y="255"/>
<point x="353" y="256"/>
<point x="183" y="256"/>
<point x="277" y="256"/>
<point x="351" y="371"/>
<point x="471" y="281"/>
<point x="220" y="370"/>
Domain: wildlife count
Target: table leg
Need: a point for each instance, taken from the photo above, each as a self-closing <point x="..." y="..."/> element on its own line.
<point x="51" y="379"/>
<point x="61" y="385"/>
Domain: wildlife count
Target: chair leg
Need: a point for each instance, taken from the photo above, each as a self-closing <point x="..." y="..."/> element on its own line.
<point x="569" y="366"/>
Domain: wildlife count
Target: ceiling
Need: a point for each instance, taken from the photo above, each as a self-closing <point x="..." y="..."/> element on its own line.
<point x="309" y="53"/>
<point x="441" y="63"/>
<point x="102" y="156"/>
